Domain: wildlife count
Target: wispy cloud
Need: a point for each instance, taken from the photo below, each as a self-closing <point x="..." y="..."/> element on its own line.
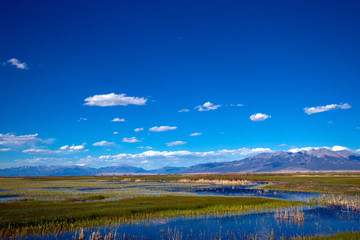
<point x="257" y="117"/>
<point x="115" y="133"/>
<point x="207" y="107"/>
<point x="161" y="158"/>
<point x="138" y="129"/>
<point x="10" y="139"/>
<point x="118" y="120"/>
<point x="161" y="129"/>
<point x="195" y="134"/>
<point x="113" y="99"/>
<point x="131" y="140"/>
<point x="176" y="143"/>
<point x="236" y="105"/>
<point x="41" y="151"/>
<point x="44" y="161"/>
<point x="326" y="108"/>
<point x="145" y="147"/>
<point x="184" y="110"/>
<point x="5" y="149"/>
<point x="103" y="143"/>
<point x="62" y="150"/>
<point x="15" y="62"/>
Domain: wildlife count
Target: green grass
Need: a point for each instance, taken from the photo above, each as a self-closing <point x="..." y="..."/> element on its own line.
<point x="340" y="236"/>
<point x="31" y="187"/>
<point x="345" y="183"/>
<point x="70" y="190"/>
<point x="23" y="218"/>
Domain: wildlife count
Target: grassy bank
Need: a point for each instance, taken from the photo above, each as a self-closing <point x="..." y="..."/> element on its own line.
<point x="23" y="218"/>
<point x="347" y="183"/>
<point x="340" y="236"/>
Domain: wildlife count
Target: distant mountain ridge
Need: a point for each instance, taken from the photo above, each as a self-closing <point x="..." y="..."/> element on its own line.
<point x="321" y="159"/>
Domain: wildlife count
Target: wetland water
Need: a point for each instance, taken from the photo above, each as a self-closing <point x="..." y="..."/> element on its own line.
<point x="262" y="225"/>
<point x="315" y="221"/>
<point x="252" y="191"/>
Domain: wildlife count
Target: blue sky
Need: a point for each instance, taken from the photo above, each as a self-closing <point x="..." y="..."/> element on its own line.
<point x="255" y="76"/>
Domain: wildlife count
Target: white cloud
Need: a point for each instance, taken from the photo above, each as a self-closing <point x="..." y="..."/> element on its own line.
<point x="118" y="120"/>
<point x="113" y="99"/>
<point x="5" y="149"/>
<point x="41" y="151"/>
<point x="10" y="139"/>
<point x="358" y="150"/>
<point x="195" y="134"/>
<point x="236" y="105"/>
<point x="154" y="158"/>
<point x="339" y="148"/>
<point x="329" y="107"/>
<point x="334" y="148"/>
<point x="282" y="145"/>
<point x="131" y="140"/>
<point x="15" y="62"/>
<point x="184" y="110"/>
<point x="176" y="143"/>
<point x="82" y="119"/>
<point x="103" y="143"/>
<point x="145" y="147"/>
<point x="257" y="117"/>
<point x="115" y="133"/>
<point x="161" y="129"/>
<point x="207" y="107"/>
<point x="295" y="150"/>
<point x="161" y="158"/>
<point x="62" y="150"/>
<point x="138" y="129"/>
<point x="74" y="148"/>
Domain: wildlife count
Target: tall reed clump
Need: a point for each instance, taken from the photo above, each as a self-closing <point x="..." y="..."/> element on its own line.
<point x="218" y="181"/>
<point x="349" y="202"/>
<point x="95" y="235"/>
<point x="292" y="215"/>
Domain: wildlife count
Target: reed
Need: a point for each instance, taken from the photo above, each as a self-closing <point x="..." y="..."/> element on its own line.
<point x="219" y="182"/>
<point x="291" y="215"/>
<point x="24" y="218"/>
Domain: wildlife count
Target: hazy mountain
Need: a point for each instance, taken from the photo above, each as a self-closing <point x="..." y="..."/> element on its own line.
<point x="47" y="171"/>
<point x="120" y="169"/>
<point x="313" y="160"/>
<point x="168" y="170"/>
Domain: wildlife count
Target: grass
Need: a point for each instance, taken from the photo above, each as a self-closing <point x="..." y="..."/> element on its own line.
<point x="340" y="236"/>
<point x="84" y="190"/>
<point x="345" y="183"/>
<point x="24" y="218"/>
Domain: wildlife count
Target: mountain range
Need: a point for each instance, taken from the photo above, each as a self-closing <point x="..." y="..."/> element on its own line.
<point x="321" y="159"/>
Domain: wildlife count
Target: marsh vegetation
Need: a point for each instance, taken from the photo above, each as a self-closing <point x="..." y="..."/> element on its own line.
<point x="179" y="206"/>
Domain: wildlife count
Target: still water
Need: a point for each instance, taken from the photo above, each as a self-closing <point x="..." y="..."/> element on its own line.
<point x="264" y="225"/>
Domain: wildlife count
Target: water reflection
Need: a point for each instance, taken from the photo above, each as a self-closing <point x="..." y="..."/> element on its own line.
<point x="265" y="225"/>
